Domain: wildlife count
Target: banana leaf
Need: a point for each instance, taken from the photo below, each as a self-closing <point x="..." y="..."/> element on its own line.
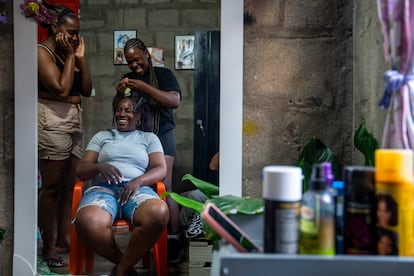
<point x="314" y="152"/>
<point x="185" y="201"/>
<point x="227" y="204"/>
<point x="238" y="205"/>
<point x="366" y="143"/>
<point x="207" y="188"/>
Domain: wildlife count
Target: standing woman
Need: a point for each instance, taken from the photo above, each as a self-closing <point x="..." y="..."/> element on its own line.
<point x="161" y="88"/>
<point x="63" y="76"/>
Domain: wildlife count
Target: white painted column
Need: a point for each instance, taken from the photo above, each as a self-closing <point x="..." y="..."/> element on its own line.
<point x="25" y="144"/>
<point x="231" y="97"/>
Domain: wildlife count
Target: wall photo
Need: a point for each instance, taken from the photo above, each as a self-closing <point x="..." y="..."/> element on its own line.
<point x="184" y="52"/>
<point x="157" y="56"/>
<point x="120" y="38"/>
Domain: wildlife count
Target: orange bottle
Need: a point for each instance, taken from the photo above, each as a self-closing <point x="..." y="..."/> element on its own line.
<point x="394" y="200"/>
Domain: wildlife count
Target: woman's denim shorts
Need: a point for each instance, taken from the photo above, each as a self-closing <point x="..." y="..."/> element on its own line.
<point x="106" y="196"/>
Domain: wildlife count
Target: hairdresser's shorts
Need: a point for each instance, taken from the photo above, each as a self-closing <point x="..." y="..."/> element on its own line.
<point x="59" y="130"/>
<point x="168" y="143"/>
<point x="106" y="196"/>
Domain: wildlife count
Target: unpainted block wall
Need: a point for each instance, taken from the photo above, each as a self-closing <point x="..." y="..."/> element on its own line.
<point x="299" y="80"/>
<point x="157" y="23"/>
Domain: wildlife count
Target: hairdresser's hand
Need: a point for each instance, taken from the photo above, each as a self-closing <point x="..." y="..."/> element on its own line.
<point x="137" y="85"/>
<point x="121" y="86"/>
<point x="110" y="173"/>
<point x="62" y="41"/>
<point x="129" y="190"/>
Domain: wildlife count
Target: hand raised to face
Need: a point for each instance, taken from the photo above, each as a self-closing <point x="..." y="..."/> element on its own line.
<point x="80" y="49"/>
<point x="63" y="44"/>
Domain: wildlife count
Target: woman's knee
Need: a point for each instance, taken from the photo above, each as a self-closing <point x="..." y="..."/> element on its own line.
<point x="153" y="214"/>
<point x="92" y="219"/>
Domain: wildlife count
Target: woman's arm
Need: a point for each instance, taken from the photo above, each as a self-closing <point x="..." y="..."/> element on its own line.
<point x="88" y="168"/>
<point x="169" y="99"/>
<point x="157" y="170"/>
<point x="56" y="81"/>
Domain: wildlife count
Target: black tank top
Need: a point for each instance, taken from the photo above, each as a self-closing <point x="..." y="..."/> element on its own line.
<point x="77" y="79"/>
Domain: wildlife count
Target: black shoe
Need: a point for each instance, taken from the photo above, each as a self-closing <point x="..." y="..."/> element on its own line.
<point x="175" y="251"/>
<point x="195" y="228"/>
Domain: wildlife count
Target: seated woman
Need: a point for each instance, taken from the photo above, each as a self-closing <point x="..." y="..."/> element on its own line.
<point x="123" y="163"/>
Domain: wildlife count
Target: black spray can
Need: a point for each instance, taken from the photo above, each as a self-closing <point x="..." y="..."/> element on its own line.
<point x="282" y="193"/>
<point x="359" y="210"/>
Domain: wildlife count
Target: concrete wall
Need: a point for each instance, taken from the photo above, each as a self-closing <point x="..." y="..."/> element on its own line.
<point x="157" y="23"/>
<point x="311" y="68"/>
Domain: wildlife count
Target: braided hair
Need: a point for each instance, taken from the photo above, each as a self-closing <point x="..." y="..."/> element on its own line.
<point x="150" y="117"/>
<point x="138" y="43"/>
<point x="61" y="15"/>
<point x="137" y="102"/>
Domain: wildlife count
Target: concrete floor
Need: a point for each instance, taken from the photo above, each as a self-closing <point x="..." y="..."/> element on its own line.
<point x="103" y="267"/>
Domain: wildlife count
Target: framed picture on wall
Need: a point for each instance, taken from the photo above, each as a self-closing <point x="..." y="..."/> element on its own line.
<point x="120" y="38"/>
<point x="157" y="56"/>
<point x="184" y="52"/>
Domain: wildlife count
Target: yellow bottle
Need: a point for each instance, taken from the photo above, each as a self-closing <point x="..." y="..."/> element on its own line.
<point x="394" y="201"/>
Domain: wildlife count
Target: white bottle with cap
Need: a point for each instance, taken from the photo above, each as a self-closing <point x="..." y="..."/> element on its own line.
<point x="282" y="193"/>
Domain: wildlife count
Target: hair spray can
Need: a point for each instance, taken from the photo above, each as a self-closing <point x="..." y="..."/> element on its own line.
<point x="282" y="193"/>
<point x="359" y="210"/>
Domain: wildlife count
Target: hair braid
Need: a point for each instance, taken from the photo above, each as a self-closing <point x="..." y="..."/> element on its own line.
<point x="60" y="13"/>
<point x="151" y="111"/>
<point x="136" y="100"/>
<point x="138" y="43"/>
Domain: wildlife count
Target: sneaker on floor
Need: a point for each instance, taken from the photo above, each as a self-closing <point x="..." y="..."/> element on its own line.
<point x="175" y="251"/>
<point x="195" y="228"/>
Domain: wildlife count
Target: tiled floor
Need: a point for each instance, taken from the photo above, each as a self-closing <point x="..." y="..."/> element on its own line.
<point x="103" y="267"/>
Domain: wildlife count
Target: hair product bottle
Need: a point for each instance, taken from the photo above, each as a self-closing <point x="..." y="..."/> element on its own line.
<point x="339" y="217"/>
<point x="394" y="202"/>
<point x="317" y="216"/>
<point x="282" y="193"/>
<point x="359" y="210"/>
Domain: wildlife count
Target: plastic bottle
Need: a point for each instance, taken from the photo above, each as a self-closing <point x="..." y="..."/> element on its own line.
<point x="317" y="216"/>
<point x="282" y="193"/>
<point x="394" y="197"/>
<point x="359" y="210"/>
<point x="339" y="217"/>
<point x="338" y="202"/>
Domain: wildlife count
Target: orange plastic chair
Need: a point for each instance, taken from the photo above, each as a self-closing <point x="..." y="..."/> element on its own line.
<point x="81" y="258"/>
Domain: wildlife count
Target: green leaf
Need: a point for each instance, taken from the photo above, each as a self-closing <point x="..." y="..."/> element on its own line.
<point x="185" y="201"/>
<point x="315" y="152"/>
<point x="366" y="143"/>
<point x="230" y="204"/>
<point x="206" y="187"/>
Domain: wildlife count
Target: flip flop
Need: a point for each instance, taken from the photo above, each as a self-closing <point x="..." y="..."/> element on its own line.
<point x="55" y="262"/>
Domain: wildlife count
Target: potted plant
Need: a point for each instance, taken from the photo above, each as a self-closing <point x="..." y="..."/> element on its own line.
<point x="315" y="151"/>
